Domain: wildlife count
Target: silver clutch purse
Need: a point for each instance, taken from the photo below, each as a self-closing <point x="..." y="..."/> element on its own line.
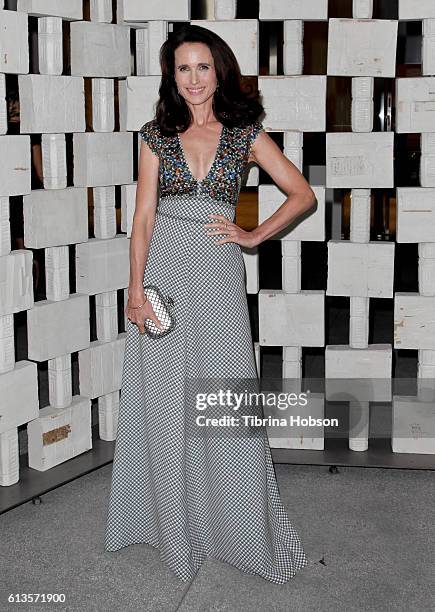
<point x="162" y="306"/>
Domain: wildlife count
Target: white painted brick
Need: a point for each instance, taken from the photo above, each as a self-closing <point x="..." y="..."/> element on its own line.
<point x="100" y="50"/>
<point x="58" y="328"/>
<point x="138" y="97"/>
<point x="412" y="10"/>
<point x="294" y="102"/>
<point x="362" y="47"/>
<point x="18" y="395"/>
<point x="415" y="214"/>
<point x="100" y="367"/>
<point x="138" y="10"/>
<point x="242" y="37"/>
<point x="61" y="97"/>
<point x="291" y="319"/>
<point x="415" y="108"/>
<point x="311" y="227"/>
<point x="102" y="159"/>
<point x="55" y="217"/>
<point x="314" y="10"/>
<point x="15" y="169"/>
<point x="59" y="434"/>
<point x="72" y="9"/>
<point x="359" y="160"/>
<point x="414" y="322"/>
<point x="360" y="270"/>
<point x="413" y="426"/>
<point x="16" y="281"/>
<point x="102" y="265"/>
<point x="14" y="46"/>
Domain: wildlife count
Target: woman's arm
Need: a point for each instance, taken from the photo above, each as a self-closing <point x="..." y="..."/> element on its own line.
<point x="300" y="197"/>
<point x="143" y="221"/>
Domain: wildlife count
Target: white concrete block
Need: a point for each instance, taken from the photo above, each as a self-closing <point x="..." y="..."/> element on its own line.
<point x="291" y="319"/>
<point x="358" y="375"/>
<point x="242" y="37"/>
<point x="295" y="435"/>
<point x="257" y="355"/>
<point x="427" y="159"/>
<point x="412" y="10"/>
<point x="69" y="10"/>
<point x="16" y="281"/>
<point x="5" y="228"/>
<point x="53" y="149"/>
<point x="102" y="159"/>
<point x="415" y="108"/>
<point x="57" y="273"/>
<point x="100" y="367"/>
<point x="14" y="45"/>
<point x="362" y="104"/>
<point x="3" y="106"/>
<point x="426" y="268"/>
<point x="293" y="53"/>
<point x="15" y="169"/>
<point x="128" y="204"/>
<point x="414" y="322"/>
<point x="294" y="102"/>
<point x="413" y="427"/>
<point x="362" y="9"/>
<point x="362" y="47"/>
<point x="103" y="105"/>
<point x="108" y="412"/>
<point x="360" y="270"/>
<point x="314" y="10"/>
<point x="55" y="217"/>
<point x="18" y="395"/>
<point x="225" y="9"/>
<point x="291" y="266"/>
<point x="359" y="160"/>
<point x="60" y="381"/>
<point x="58" y="328"/>
<point x="157" y="34"/>
<point x="360" y="215"/>
<point x="7" y="343"/>
<point x="59" y="434"/>
<point x="415" y="214"/>
<point x="250" y="258"/>
<point x="137" y="100"/>
<point x="138" y="11"/>
<point x="102" y="265"/>
<point x="106" y="310"/>
<point x="100" y="50"/>
<point x="428" y="47"/>
<point x="359" y="322"/>
<point x="104" y="212"/>
<point x="310" y="226"/>
<point x="250" y="177"/>
<point x="101" y="11"/>
<point x="50" y="45"/>
<point x="61" y="97"/>
<point x="9" y="458"/>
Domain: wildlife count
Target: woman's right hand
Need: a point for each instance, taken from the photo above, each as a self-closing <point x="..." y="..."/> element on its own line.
<point x="138" y="315"/>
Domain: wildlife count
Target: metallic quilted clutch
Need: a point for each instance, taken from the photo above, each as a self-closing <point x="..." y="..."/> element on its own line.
<point x="162" y="306"/>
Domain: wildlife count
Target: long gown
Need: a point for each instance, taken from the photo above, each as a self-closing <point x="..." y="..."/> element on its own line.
<point x="196" y="492"/>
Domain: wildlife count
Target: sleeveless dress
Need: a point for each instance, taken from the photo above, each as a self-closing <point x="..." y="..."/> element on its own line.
<point x="192" y="491"/>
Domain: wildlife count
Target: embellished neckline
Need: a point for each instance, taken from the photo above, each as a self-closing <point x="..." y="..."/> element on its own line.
<point x="213" y="164"/>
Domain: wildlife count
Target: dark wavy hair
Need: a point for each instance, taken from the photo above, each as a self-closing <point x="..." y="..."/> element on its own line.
<point x="232" y="104"/>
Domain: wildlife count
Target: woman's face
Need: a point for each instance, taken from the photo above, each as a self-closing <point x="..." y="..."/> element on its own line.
<point x="195" y="75"/>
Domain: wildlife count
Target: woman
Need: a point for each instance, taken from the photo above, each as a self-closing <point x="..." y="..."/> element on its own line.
<point x="188" y="493"/>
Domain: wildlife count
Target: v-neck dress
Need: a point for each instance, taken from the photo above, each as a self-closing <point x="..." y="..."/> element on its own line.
<point x="186" y="478"/>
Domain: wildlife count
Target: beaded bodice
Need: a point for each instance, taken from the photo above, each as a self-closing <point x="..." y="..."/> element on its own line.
<point x="224" y="178"/>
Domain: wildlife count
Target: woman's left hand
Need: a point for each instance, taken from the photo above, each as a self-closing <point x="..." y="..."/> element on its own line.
<point x="233" y="232"/>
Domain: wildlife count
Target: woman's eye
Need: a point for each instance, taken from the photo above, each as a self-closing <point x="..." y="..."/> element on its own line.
<point x="206" y="67"/>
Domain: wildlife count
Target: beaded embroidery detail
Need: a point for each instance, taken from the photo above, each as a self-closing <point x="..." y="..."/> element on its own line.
<point x="224" y="178"/>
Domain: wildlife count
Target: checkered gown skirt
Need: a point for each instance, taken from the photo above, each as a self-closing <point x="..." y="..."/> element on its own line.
<point x="194" y="498"/>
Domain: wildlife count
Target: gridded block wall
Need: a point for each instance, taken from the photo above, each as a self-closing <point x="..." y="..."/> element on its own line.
<point x="53" y="104"/>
